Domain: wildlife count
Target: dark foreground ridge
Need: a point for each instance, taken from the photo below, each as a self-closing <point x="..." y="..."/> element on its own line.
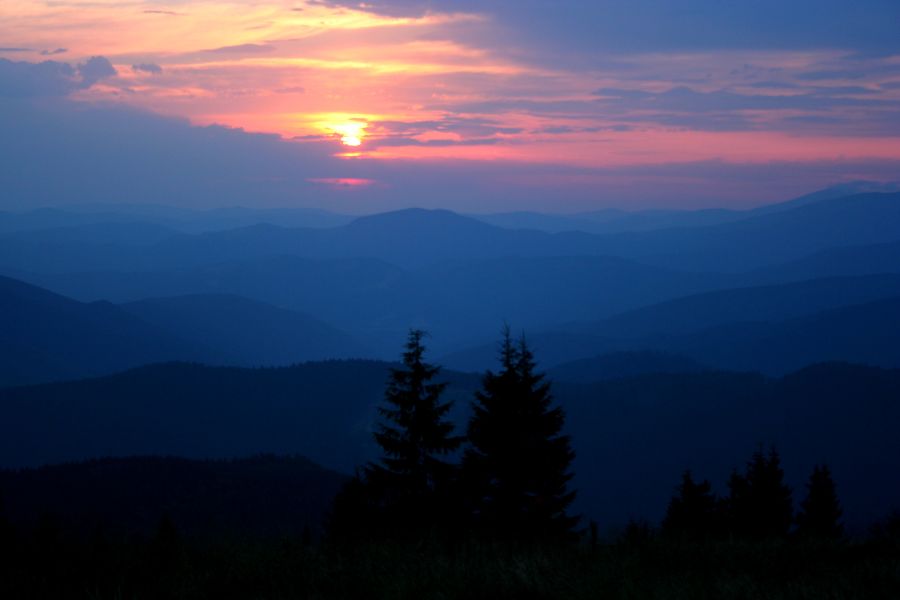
<point x="632" y="436"/>
<point x="262" y="496"/>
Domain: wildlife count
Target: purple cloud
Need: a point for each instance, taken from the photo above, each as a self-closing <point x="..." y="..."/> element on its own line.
<point x="28" y="80"/>
<point x="151" y="68"/>
<point x="50" y="78"/>
<point x="95" y="69"/>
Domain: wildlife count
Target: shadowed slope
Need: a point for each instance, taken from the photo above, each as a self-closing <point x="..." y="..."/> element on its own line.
<point x="45" y="336"/>
<point x="247" y="332"/>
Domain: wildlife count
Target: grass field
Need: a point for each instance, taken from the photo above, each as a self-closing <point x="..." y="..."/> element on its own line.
<point x="44" y="566"/>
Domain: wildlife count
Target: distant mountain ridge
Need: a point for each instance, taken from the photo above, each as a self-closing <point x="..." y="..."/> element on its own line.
<point x="720" y="329"/>
<point x="47" y="337"/>
<point x="853" y="260"/>
<point x="611" y="220"/>
<point x="378" y="302"/>
<point x="774" y="329"/>
<point x="840" y="190"/>
<point x="416" y="238"/>
<point x="247" y="332"/>
<point x="755" y="303"/>
<point x="865" y="334"/>
<point x="768" y="239"/>
<point x="620" y="365"/>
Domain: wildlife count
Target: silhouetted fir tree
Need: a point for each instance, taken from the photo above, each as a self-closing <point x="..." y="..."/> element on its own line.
<point x="760" y="505"/>
<point x="413" y="477"/>
<point x="693" y="511"/>
<point x="820" y="513"/>
<point x="517" y="466"/>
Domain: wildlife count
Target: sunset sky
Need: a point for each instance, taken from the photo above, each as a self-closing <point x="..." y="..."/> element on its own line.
<point x="495" y="105"/>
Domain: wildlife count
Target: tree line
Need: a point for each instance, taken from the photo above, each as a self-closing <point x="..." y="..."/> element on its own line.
<point x="759" y="505"/>
<point x="508" y="477"/>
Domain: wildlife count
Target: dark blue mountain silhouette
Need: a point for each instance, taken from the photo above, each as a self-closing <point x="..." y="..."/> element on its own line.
<point x="247" y="332"/>
<point x="760" y="303"/>
<point x="864" y="333"/>
<point x="867" y="259"/>
<point x="611" y="220"/>
<point x="768" y="239"/>
<point x="46" y="337"/>
<point x="456" y="300"/>
<point x="773" y="329"/>
<point x="618" y="365"/>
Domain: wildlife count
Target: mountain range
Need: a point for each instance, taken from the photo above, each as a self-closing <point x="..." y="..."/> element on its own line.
<point x="773" y="329"/>
<point x="456" y="276"/>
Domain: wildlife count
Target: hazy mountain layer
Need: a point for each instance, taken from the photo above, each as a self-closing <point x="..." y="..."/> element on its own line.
<point x="247" y="332"/>
<point x="416" y="238"/>
<point x="47" y="337"/>
<point x="861" y="333"/>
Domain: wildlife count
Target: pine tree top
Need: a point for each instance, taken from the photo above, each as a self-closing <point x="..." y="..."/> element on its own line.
<point x="414" y="432"/>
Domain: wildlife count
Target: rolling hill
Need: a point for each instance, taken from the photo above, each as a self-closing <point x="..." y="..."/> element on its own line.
<point x="767" y="239"/>
<point x="246" y="332"/>
<point x="773" y="329"/>
<point x="46" y="337"/>
<point x="869" y="259"/>
<point x="618" y="365"/>
<point x="456" y="301"/>
<point x="759" y="303"/>
<point x="863" y="333"/>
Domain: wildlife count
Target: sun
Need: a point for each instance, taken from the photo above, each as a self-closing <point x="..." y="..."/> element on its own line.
<point x="350" y="129"/>
<point x="351" y="132"/>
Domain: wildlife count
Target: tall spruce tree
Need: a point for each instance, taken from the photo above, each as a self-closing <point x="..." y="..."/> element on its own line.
<point x="760" y="504"/>
<point x="415" y="437"/>
<point x="693" y="511"/>
<point x="517" y="465"/>
<point x="820" y="513"/>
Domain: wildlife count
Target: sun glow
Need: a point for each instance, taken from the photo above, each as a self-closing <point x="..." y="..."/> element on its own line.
<point x="350" y="132"/>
